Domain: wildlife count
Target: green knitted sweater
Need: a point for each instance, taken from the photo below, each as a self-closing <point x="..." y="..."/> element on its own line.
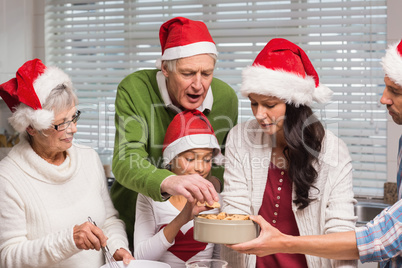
<point x="141" y="122"/>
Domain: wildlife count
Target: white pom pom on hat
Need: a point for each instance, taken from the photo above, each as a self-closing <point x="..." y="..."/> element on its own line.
<point x="181" y="37"/>
<point x="392" y="62"/>
<point x="282" y="69"/>
<point x="26" y="93"/>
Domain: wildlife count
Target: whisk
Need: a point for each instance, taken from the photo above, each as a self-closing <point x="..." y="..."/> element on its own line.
<point x="110" y="261"/>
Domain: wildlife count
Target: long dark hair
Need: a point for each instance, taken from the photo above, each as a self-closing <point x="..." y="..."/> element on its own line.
<point x="304" y="134"/>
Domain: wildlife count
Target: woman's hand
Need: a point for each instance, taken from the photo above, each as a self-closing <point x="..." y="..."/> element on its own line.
<point x="123" y="255"/>
<point x="270" y="241"/>
<point x="87" y="236"/>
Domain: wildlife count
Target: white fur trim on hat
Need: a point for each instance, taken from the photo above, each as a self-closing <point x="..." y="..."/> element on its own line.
<point x="392" y="64"/>
<point x="187" y="51"/>
<point x="50" y="79"/>
<point x="25" y="116"/>
<point x="40" y="119"/>
<point x="189" y="142"/>
<point x="322" y="94"/>
<point x="289" y="87"/>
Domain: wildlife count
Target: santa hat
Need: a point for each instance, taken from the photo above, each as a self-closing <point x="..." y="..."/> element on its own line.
<point x="181" y="37"/>
<point x="392" y="63"/>
<point x="26" y="93"/>
<point x="188" y="130"/>
<point x="282" y="69"/>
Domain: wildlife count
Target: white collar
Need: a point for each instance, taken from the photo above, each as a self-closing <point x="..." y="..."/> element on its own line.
<point x="38" y="168"/>
<point x="161" y="80"/>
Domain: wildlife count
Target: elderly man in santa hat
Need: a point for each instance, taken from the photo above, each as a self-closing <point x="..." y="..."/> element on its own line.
<point x="379" y="240"/>
<point x="147" y="102"/>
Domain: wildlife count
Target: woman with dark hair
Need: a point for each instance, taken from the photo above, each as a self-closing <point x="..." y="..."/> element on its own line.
<point x="302" y="172"/>
<point x="283" y="165"/>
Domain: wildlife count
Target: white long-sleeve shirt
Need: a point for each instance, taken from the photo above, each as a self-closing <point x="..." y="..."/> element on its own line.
<point x="40" y="204"/>
<point x="150" y="242"/>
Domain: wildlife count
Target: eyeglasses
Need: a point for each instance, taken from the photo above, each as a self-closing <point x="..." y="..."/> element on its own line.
<point x="65" y="125"/>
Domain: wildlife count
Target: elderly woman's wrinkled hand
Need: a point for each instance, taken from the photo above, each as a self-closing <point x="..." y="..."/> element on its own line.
<point x="88" y="236"/>
<point x="123" y="255"/>
<point x="270" y="241"/>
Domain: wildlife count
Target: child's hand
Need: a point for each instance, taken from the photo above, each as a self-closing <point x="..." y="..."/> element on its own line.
<point x="191" y="209"/>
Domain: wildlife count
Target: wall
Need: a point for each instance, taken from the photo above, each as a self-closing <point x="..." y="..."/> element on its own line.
<point x="22" y="38"/>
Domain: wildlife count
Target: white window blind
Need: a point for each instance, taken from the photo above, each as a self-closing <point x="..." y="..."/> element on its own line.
<point x="100" y="42"/>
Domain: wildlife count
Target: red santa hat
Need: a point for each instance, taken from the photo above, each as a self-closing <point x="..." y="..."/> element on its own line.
<point x="26" y="93"/>
<point x="181" y="37"/>
<point x="188" y="130"/>
<point x="392" y="63"/>
<point x="282" y="69"/>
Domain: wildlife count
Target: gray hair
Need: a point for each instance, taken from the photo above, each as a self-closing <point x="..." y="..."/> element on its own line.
<point x="60" y="98"/>
<point x="170" y="65"/>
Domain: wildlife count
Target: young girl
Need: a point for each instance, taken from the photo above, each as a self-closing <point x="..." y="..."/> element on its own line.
<point x="164" y="230"/>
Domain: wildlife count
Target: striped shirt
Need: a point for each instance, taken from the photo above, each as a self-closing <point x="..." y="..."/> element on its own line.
<point x="381" y="239"/>
<point x="399" y="174"/>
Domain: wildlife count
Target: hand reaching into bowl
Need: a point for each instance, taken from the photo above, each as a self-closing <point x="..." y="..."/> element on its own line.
<point x="192" y="187"/>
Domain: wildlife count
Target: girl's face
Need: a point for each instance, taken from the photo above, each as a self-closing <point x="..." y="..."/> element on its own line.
<point x="194" y="161"/>
<point x="269" y="112"/>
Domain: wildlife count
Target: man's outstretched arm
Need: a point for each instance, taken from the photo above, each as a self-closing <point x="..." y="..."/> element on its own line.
<point x="341" y="246"/>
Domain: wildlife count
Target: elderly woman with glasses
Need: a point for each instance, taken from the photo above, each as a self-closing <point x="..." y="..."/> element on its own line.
<point x="49" y="186"/>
